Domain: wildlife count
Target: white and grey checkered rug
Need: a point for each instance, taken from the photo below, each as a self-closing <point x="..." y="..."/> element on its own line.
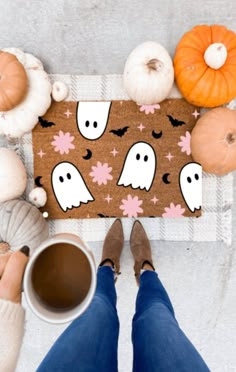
<point x="214" y="225"/>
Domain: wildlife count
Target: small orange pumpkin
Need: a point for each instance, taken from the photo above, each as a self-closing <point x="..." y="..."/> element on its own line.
<point x="213" y="141"/>
<point x="205" y="65"/>
<point x="13" y="81"/>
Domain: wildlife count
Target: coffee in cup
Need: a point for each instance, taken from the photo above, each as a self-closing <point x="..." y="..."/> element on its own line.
<point x="60" y="279"/>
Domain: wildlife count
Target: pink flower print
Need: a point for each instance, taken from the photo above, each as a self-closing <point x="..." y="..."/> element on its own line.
<point x="173" y="211"/>
<point x="185" y="143"/>
<point x="149" y="109"/>
<point x="131" y="206"/>
<point x="63" y="142"/>
<point x="101" y="173"/>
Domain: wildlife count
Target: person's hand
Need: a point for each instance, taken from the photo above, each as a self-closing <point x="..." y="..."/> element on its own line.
<point x="12" y="267"/>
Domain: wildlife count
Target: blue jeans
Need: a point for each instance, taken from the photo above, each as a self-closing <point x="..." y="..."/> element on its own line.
<point x="90" y="343"/>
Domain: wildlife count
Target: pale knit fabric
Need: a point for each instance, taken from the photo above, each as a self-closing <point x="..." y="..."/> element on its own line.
<point x="12" y="317"/>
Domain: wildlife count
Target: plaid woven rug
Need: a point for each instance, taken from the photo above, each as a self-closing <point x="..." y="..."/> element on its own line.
<point x="215" y="224"/>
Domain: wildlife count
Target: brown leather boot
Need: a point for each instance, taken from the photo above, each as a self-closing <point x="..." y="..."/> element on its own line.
<point x="113" y="245"/>
<point x="141" y="249"/>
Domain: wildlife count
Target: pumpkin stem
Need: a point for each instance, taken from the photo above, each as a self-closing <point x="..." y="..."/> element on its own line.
<point x="215" y="55"/>
<point x="155" y="64"/>
<point x="4" y="247"/>
<point x="230" y="138"/>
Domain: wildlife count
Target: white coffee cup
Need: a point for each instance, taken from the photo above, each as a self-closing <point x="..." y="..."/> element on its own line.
<point x="44" y="312"/>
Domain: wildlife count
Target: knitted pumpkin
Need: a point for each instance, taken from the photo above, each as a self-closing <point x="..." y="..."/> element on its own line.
<point x="205" y="65"/>
<point x="21" y="224"/>
<point x="13" y="81"/>
<point x="213" y="141"/>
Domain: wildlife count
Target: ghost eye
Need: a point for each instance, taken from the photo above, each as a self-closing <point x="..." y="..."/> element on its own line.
<point x="95" y="124"/>
<point x="145" y="158"/>
<point x="68" y="176"/>
<point x="196" y="177"/>
<point x="189" y="179"/>
<point x="137" y="156"/>
<point x="61" y="179"/>
<point x="87" y="123"/>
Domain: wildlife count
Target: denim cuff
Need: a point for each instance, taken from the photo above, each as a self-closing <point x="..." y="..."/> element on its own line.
<point x="112" y="269"/>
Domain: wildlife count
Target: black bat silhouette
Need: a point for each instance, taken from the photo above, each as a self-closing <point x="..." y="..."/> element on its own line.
<point x="175" y="122"/>
<point x="45" y="123"/>
<point x="119" y="132"/>
<point x="156" y="135"/>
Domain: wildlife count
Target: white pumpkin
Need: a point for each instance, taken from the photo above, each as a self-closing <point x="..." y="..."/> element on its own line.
<point x="59" y="91"/>
<point x="215" y="55"/>
<point x="148" y="74"/>
<point x="13" y="176"/>
<point x="23" y="118"/>
<point x="38" y="197"/>
<point x="21" y="224"/>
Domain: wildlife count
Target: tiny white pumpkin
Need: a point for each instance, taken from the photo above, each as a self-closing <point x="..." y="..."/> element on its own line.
<point x="13" y="177"/>
<point x="21" y="224"/>
<point x="148" y="74"/>
<point x="23" y="118"/>
<point x="38" y="197"/>
<point x="59" y="91"/>
<point x="215" y="55"/>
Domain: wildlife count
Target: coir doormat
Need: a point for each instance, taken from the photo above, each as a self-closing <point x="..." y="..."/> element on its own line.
<point x="115" y="158"/>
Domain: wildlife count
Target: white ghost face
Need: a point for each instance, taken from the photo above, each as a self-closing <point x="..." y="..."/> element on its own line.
<point x="139" y="167"/>
<point x="92" y="118"/>
<point x="69" y="187"/>
<point x="190" y="179"/>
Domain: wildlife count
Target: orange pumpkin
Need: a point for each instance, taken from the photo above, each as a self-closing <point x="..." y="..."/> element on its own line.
<point x="205" y="65"/>
<point x="13" y="81"/>
<point x="213" y="141"/>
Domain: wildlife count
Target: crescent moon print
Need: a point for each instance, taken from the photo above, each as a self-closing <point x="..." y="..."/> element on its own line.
<point x="165" y="178"/>
<point x="38" y="182"/>
<point x="156" y="135"/>
<point x="88" y="155"/>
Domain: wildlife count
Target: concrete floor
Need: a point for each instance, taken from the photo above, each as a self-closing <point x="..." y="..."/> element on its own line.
<point x="95" y="36"/>
<point x="200" y="280"/>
